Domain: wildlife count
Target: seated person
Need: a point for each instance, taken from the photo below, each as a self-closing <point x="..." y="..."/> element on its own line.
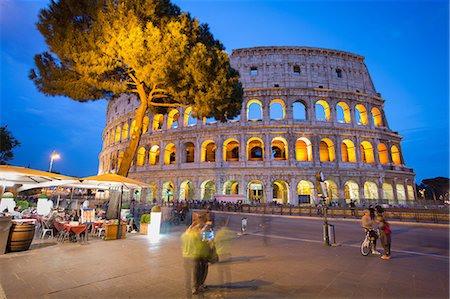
<point x="16" y="213"/>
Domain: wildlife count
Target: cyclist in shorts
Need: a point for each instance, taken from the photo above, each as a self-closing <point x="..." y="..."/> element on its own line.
<point x="368" y="223"/>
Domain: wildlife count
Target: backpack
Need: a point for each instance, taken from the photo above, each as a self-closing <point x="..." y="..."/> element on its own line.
<point x="387" y="229"/>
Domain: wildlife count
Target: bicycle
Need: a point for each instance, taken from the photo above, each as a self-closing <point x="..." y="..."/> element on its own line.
<point x="368" y="244"/>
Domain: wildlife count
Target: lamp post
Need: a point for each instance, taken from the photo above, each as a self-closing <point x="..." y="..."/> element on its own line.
<point x="54" y="156"/>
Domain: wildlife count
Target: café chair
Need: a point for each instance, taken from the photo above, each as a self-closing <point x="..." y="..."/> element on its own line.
<point x="46" y="229"/>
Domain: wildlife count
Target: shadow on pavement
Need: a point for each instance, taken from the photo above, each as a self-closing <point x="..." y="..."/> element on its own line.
<point x="243" y="259"/>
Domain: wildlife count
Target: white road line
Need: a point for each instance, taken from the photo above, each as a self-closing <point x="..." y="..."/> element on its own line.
<point x="446" y="257"/>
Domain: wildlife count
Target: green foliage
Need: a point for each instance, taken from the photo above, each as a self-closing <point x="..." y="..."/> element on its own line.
<point x="42" y="196"/>
<point x="23" y="204"/>
<point x="7" y="143"/>
<point x="156" y="209"/>
<point x="145" y="218"/>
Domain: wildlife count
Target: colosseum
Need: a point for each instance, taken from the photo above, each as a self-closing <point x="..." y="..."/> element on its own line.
<point x="305" y="110"/>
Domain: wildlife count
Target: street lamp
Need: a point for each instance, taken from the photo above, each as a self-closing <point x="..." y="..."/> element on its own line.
<point x="54" y="156"/>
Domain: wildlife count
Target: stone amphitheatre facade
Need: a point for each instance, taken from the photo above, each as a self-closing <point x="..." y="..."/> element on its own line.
<point x="305" y="110"/>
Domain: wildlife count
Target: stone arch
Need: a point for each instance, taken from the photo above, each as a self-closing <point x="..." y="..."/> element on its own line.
<point x="255" y="191"/>
<point x="125" y="131"/>
<point x="370" y="190"/>
<point x="168" y="191"/>
<point x="170" y="154"/>
<point x="255" y="149"/>
<point x="114" y="161"/>
<point x="158" y="121"/>
<point x="189" y="121"/>
<point x="111" y="136"/>
<point x="401" y="194"/>
<point x="231" y="187"/>
<point x="410" y="191"/>
<point x="351" y="191"/>
<point x="299" y="110"/>
<point x="348" y="151"/>
<point x="326" y="148"/>
<point x="279" y="149"/>
<point x="277" y="109"/>
<point x="231" y="150"/>
<point x="322" y="110"/>
<point x="209" y="151"/>
<point x="208" y="190"/>
<point x="383" y="153"/>
<point x="133" y="128"/>
<point x="367" y="152"/>
<point x="332" y="189"/>
<point x="303" y="149"/>
<point x="254" y="110"/>
<point x="140" y="159"/>
<point x="395" y="153"/>
<point x="120" y="159"/>
<point x="186" y="190"/>
<point x="280" y="192"/>
<point x="145" y="123"/>
<point x="118" y="134"/>
<point x="305" y="192"/>
<point x="172" y="119"/>
<point x="361" y="114"/>
<point x="152" y="192"/>
<point x="189" y="152"/>
<point x="388" y="191"/>
<point x="377" y="117"/>
<point x="154" y="155"/>
<point x="343" y="113"/>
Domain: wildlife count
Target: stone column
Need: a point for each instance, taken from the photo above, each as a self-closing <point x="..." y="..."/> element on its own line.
<point x="293" y="198"/>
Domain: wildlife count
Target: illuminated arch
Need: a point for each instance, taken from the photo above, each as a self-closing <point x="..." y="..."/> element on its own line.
<point x="367" y="152"/>
<point x="277" y="109"/>
<point x="113" y="161"/>
<point x="255" y="191"/>
<point x="299" y="110"/>
<point x="343" y="113"/>
<point x="303" y="149"/>
<point x="376" y="117"/>
<point x="207" y="190"/>
<point x="172" y="120"/>
<point x="361" y="115"/>
<point x="326" y="148"/>
<point x="189" y="152"/>
<point x="305" y="192"/>
<point x="332" y="190"/>
<point x="231" y="150"/>
<point x="188" y="120"/>
<point x="279" y="148"/>
<point x="154" y="155"/>
<point x="383" y="153"/>
<point x="187" y="190"/>
<point x="255" y="149"/>
<point x="133" y="128"/>
<point x="401" y="195"/>
<point x="231" y="187"/>
<point x="388" y="191"/>
<point x="170" y="154"/>
<point x="254" y="110"/>
<point x="351" y="191"/>
<point x="118" y="133"/>
<point x="152" y="192"/>
<point x="410" y="191"/>
<point x="348" y="151"/>
<point x="111" y="136"/>
<point x="370" y="190"/>
<point x="125" y="131"/>
<point x="208" y="151"/>
<point x="140" y="159"/>
<point x="145" y="123"/>
<point x="280" y="192"/>
<point x="322" y="110"/>
<point x="158" y="121"/>
<point x="120" y="159"/>
<point x="395" y="153"/>
<point x="168" y="191"/>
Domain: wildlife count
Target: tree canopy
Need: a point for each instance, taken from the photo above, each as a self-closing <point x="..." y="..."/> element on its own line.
<point x="102" y="49"/>
<point x="7" y="143"/>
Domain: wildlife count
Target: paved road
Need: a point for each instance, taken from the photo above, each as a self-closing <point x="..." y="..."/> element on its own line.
<point x="286" y="261"/>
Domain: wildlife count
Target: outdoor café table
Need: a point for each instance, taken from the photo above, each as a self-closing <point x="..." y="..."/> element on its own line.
<point x="76" y="229"/>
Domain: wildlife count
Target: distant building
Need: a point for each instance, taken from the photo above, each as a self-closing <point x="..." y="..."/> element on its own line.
<point x="305" y="110"/>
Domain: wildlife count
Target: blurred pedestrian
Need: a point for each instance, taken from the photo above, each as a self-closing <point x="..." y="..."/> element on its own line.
<point x="223" y="239"/>
<point x="384" y="232"/>
<point x="368" y="224"/>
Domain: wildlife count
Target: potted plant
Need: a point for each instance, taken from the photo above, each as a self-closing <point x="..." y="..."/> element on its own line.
<point x="145" y="221"/>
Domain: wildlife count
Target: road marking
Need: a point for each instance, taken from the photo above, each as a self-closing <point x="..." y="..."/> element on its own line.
<point x="446" y="257"/>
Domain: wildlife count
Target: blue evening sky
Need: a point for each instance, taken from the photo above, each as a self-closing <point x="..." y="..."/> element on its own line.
<point x="406" y="45"/>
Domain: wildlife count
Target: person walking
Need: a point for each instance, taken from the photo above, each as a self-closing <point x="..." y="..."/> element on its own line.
<point x="368" y="223"/>
<point x="384" y="232"/>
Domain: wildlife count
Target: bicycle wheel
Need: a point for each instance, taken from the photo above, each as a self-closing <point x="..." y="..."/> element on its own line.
<point x="366" y="247"/>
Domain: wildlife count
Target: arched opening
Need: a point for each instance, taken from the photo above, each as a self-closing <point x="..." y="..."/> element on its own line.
<point x="111" y="136"/>
<point x="118" y="133"/>
<point x="280" y="192"/>
<point x="303" y="149"/>
<point x="189" y="121"/>
<point x="208" y="190"/>
<point x="299" y="111"/>
<point x="395" y="155"/>
<point x="279" y="149"/>
<point x="361" y="115"/>
<point x="125" y="131"/>
<point x="383" y="153"/>
<point x="366" y="152"/>
<point x="140" y="157"/>
<point x="376" y="117"/>
<point x="172" y="120"/>
<point x="343" y="113"/>
<point x="254" y="110"/>
<point x="187" y="190"/>
<point x="255" y="191"/>
<point x="401" y="195"/>
<point x="305" y="192"/>
<point x="133" y="128"/>
<point x="326" y="148"/>
<point x="277" y="110"/>
<point x="168" y="191"/>
<point x="388" y="192"/>
<point x="169" y="154"/>
<point x="151" y="192"/>
<point x="209" y="151"/>
<point x="332" y="189"/>
<point x="158" y="121"/>
<point x="120" y="159"/>
<point x="255" y="149"/>
<point x="231" y="150"/>
<point x="410" y="191"/>
<point x="145" y="123"/>
<point x="231" y="187"/>
<point x="348" y="151"/>
<point x="351" y="192"/>
<point x="322" y="111"/>
<point x="210" y="120"/>
<point x="189" y="150"/>
<point x="154" y="155"/>
<point x="370" y="190"/>
<point x="114" y="161"/>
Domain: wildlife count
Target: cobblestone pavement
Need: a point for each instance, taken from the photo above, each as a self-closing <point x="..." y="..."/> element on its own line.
<point x="262" y="265"/>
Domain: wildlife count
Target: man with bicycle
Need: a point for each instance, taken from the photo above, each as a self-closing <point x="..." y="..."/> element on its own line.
<point x="368" y="223"/>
